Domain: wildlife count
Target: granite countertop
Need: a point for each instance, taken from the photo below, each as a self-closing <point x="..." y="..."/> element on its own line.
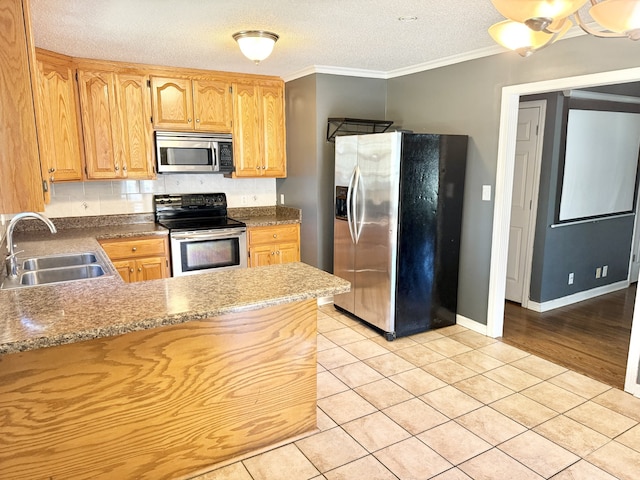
<point x="50" y="315"/>
<point x="266" y="216"/>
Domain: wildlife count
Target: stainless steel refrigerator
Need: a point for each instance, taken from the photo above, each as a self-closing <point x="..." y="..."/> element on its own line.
<point x="398" y="212"/>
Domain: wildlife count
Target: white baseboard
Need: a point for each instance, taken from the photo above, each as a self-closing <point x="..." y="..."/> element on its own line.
<point x="577" y="297"/>
<point x="471" y="324"/>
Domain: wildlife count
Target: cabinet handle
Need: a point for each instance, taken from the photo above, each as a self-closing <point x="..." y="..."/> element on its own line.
<point x="134" y="249"/>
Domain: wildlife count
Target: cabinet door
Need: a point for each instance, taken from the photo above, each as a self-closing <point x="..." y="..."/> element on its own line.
<point x="126" y="269"/>
<point x="262" y="255"/>
<point x="246" y="130"/>
<point x="134" y="109"/>
<point x="58" y="121"/>
<point x="212" y="105"/>
<point x="101" y="133"/>
<point x="19" y="161"/>
<point x="152" y="268"/>
<point x="273" y="130"/>
<point x="288" y="252"/>
<point x="172" y="103"/>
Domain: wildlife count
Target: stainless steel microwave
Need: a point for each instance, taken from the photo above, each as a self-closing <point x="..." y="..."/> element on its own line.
<point x="187" y="152"/>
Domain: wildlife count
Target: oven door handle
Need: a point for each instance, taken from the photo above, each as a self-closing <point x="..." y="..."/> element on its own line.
<point x="208" y="236"/>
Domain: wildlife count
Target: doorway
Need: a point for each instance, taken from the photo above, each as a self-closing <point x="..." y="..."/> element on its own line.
<point x="502" y="209"/>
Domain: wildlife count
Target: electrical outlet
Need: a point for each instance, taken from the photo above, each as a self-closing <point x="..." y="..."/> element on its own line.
<point x="605" y="270"/>
<point x="598" y="272"/>
<point x="282" y="199"/>
<point x="570" y="282"/>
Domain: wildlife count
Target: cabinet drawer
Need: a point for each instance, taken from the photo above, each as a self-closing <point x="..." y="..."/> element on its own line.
<point x="135" y="248"/>
<point x="279" y="234"/>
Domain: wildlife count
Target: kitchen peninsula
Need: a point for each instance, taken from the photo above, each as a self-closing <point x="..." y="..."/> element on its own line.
<point x="157" y="379"/>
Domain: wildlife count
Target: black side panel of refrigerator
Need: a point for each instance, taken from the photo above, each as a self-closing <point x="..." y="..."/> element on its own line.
<point x="432" y="174"/>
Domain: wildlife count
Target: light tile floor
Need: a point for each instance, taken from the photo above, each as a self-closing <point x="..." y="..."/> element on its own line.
<point x="450" y="404"/>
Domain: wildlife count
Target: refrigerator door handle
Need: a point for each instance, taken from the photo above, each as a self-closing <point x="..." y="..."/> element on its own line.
<point x="354" y="205"/>
<point x="349" y="205"/>
<point x="358" y="220"/>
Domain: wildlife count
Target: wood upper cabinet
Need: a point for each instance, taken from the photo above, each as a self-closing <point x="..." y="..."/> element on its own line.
<point x="259" y="131"/>
<point x="273" y="245"/>
<point x="187" y="103"/>
<point x="116" y="115"/>
<point x="58" y="115"/>
<point x="19" y="159"/>
<point x="139" y="259"/>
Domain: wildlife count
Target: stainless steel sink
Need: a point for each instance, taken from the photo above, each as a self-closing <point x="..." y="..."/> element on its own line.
<point x="62" y="274"/>
<point x="57" y="261"/>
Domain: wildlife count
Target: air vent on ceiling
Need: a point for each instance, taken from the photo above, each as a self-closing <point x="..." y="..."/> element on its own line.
<point x="354" y="126"/>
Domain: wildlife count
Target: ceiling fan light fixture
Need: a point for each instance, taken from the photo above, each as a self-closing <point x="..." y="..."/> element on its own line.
<point x="518" y="37"/>
<point x="620" y="16"/>
<point x="256" y="45"/>
<point x="531" y="10"/>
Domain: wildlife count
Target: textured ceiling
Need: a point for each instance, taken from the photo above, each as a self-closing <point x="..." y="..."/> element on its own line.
<point x="326" y="34"/>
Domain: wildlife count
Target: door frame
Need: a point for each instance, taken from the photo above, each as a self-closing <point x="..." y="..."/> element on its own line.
<point x="535" y="188"/>
<point x="503" y="191"/>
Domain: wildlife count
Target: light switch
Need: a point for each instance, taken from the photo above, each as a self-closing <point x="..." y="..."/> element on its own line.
<point x="486" y="193"/>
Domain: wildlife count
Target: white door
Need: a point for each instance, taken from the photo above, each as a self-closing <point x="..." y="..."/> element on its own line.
<point x="524" y="200"/>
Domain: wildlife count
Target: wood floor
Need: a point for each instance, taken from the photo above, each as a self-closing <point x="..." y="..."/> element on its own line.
<point x="590" y="337"/>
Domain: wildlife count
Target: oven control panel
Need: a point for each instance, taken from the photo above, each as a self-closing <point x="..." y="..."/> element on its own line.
<point x="195" y="200"/>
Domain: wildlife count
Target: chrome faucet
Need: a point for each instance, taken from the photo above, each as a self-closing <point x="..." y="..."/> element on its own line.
<point x="12" y="261"/>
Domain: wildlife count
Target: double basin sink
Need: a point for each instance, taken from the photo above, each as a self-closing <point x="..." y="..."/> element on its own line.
<point x="56" y="269"/>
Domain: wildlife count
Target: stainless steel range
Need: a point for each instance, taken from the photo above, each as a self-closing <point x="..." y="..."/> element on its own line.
<point x="203" y="238"/>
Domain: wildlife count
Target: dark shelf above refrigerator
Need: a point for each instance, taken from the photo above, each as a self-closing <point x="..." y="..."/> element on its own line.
<point x="355" y="126"/>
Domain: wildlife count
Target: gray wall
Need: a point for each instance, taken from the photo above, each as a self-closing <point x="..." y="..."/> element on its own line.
<point x="577" y="248"/>
<point x="310" y="101"/>
<point x="465" y="98"/>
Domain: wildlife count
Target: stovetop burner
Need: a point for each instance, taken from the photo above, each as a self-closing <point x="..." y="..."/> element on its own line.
<point x="201" y="211"/>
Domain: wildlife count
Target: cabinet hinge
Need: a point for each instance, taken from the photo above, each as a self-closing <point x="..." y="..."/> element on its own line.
<point x="76" y="76"/>
<point x="230" y="89"/>
<point x="149" y="83"/>
<point x="45" y="186"/>
<point x="151" y="119"/>
<point x="537" y="129"/>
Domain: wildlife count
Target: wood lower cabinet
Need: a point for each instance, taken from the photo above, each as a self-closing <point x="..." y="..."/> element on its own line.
<point x="116" y="120"/>
<point x="200" y="104"/>
<point x="273" y="245"/>
<point x="58" y="114"/>
<point x="258" y="129"/>
<point x="19" y="158"/>
<point x="139" y="259"/>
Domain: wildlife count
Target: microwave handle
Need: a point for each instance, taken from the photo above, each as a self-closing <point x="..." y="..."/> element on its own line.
<point x="215" y="158"/>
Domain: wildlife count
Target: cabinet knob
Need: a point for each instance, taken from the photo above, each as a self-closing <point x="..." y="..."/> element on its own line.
<point x="124" y="168"/>
<point x="139" y="269"/>
<point x="189" y="120"/>
<point x="197" y="120"/>
<point x="275" y="235"/>
<point x="264" y="167"/>
<point x="51" y="178"/>
<point x="258" y="167"/>
<point x="273" y="253"/>
<point x="117" y="168"/>
<point x="51" y="170"/>
<point x="278" y="252"/>
<point x="134" y="249"/>
<point x="131" y="270"/>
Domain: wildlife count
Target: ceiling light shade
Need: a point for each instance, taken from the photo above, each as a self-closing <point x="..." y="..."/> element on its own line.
<point x="520" y="38"/>
<point x="538" y="13"/>
<point x="256" y="45"/>
<point x="620" y="16"/>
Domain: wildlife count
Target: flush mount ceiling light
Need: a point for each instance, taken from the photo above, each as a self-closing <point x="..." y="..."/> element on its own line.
<point x="534" y="24"/>
<point x="256" y="45"/>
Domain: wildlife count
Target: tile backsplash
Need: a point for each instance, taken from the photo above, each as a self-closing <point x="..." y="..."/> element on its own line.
<point x="78" y="199"/>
